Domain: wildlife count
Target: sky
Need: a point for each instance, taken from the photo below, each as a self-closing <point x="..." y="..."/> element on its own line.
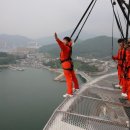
<point x="41" y="18"/>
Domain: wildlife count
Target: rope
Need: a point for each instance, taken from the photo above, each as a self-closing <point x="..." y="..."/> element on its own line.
<point x="112" y="35"/>
<point x="127" y="6"/>
<point x="85" y="22"/>
<point x="82" y="18"/>
<point x="127" y="27"/>
<point x="127" y="33"/>
<point x="123" y="10"/>
<point x="118" y="24"/>
<point x="119" y="21"/>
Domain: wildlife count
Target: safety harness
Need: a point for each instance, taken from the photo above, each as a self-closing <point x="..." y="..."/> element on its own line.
<point x="121" y="58"/>
<point x="68" y="59"/>
<point x="126" y="73"/>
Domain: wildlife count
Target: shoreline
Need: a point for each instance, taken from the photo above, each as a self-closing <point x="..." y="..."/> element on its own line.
<point x="82" y="74"/>
<point x="4" y="66"/>
<point x="58" y="71"/>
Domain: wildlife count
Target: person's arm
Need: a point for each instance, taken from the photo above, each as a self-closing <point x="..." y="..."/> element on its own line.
<point x="116" y="57"/>
<point x="60" y="43"/>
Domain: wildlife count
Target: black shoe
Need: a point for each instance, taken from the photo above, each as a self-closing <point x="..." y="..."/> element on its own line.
<point x="123" y="100"/>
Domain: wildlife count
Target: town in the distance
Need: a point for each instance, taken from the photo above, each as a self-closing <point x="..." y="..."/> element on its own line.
<point x="92" y="55"/>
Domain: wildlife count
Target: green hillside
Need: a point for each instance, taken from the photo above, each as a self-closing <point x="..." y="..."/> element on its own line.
<point x="6" y="59"/>
<point x="97" y="47"/>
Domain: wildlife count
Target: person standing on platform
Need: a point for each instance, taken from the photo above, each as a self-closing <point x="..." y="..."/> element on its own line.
<point x="119" y="58"/>
<point x="67" y="65"/>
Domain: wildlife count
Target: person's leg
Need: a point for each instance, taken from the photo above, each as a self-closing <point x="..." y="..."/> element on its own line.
<point x="121" y="82"/>
<point x="75" y="81"/>
<point x="128" y="84"/>
<point x="128" y="90"/>
<point x="124" y="87"/>
<point x="119" y="77"/>
<point x="68" y="77"/>
<point x="119" y="74"/>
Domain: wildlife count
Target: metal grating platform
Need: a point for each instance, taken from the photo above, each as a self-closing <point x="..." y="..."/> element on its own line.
<point x="104" y="94"/>
<point x="95" y="107"/>
<point x="107" y="82"/>
<point x="68" y="121"/>
<point x="98" y="109"/>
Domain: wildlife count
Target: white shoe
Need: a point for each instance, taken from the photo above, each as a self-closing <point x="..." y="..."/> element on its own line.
<point x="67" y="95"/>
<point x="124" y="95"/>
<point x="121" y="87"/>
<point x="117" y="86"/>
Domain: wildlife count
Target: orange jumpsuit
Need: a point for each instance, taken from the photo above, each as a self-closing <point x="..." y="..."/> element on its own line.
<point x="124" y="80"/>
<point x="119" y="58"/>
<point x="67" y="66"/>
<point x="127" y="71"/>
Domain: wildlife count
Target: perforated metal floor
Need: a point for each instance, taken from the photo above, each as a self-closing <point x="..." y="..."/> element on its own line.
<point x="104" y="94"/>
<point x="95" y="107"/>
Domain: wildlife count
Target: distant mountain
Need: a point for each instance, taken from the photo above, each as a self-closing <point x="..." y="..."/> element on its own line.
<point x="45" y="40"/>
<point x="49" y="40"/>
<point x="13" y="41"/>
<point x="96" y="47"/>
<point x="8" y="42"/>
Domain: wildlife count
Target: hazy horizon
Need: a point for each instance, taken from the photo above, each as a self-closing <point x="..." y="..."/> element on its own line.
<point x="41" y="18"/>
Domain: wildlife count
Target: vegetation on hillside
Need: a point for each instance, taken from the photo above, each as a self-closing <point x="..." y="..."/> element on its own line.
<point x="98" y="47"/>
<point x="85" y="67"/>
<point x="77" y="65"/>
<point x="6" y="59"/>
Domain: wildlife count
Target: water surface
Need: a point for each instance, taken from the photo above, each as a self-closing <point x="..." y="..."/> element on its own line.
<point x="28" y="98"/>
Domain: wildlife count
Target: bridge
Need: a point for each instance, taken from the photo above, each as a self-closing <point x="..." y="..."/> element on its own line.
<point x="96" y="106"/>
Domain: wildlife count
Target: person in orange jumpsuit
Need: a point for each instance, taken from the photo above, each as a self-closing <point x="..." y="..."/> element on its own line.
<point x="67" y="65"/>
<point x="124" y="79"/>
<point x="119" y="58"/>
<point x="127" y="70"/>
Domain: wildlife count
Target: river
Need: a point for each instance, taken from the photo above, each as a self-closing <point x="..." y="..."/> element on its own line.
<point x="28" y="98"/>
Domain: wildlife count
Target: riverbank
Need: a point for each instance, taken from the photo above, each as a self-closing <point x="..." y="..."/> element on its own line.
<point x="4" y="66"/>
<point x="19" y="67"/>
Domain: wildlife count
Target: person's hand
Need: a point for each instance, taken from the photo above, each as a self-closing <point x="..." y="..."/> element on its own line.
<point x="113" y="58"/>
<point x="55" y="35"/>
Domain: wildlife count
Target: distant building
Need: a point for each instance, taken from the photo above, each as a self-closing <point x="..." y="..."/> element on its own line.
<point x="23" y="50"/>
